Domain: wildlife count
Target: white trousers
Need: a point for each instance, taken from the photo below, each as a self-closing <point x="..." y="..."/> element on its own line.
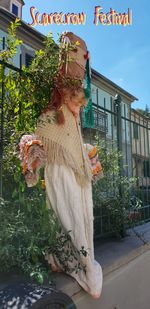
<point x="73" y="206"/>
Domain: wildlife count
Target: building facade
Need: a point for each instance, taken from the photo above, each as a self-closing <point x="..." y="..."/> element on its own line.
<point x="31" y="38"/>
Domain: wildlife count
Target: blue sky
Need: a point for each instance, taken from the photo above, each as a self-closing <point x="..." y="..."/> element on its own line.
<point x="122" y="54"/>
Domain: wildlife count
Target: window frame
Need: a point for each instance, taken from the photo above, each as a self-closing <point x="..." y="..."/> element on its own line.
<point x="30" y="56"/>
<point x="16" y="3"/>
<point x="146" y="168"/>
<point x="15" y="7"/>
<point x="135" y="130"/>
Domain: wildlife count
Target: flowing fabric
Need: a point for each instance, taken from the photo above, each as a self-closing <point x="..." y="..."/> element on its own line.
<point x="74" y="207"/>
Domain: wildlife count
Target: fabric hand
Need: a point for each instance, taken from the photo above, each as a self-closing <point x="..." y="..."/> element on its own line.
<point x="96" y="166"/>
<point x="32" y="158"/>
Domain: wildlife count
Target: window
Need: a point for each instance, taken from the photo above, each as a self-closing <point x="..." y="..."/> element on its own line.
<point x="135" y="131"/>
<point x="104" y="102"/>
<point x="15" y="9"/>
<point x="94" y="94"/>
<point x="146" y="168"/>
<point x="28" y="59"/>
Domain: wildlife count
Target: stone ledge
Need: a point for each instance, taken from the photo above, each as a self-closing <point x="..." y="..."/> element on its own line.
<point x="111" y="254"/>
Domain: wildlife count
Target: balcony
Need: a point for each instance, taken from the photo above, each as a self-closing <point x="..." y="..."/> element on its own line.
<point x="100" y="120"/>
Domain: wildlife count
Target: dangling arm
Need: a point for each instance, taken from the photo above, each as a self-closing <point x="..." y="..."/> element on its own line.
<point x="32" y="158"/>
<point x="96" y="166"/>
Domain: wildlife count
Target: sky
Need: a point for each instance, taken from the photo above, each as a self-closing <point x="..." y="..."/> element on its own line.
<point x="120" y="53"/>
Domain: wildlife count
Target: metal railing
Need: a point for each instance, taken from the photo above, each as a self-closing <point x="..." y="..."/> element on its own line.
<point x="3" y="140"/>
<point x="129" y="132"/>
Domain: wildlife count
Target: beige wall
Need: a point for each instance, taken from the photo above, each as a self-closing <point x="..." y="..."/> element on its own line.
<point x="5" y="4"/>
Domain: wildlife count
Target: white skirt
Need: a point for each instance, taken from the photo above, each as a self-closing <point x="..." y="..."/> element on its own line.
<point x="73" y="206"/>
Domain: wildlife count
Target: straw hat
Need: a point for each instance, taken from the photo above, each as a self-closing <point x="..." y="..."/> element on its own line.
<point x="73" y="56"/>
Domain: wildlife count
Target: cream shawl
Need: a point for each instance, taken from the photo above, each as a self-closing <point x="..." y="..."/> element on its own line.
<point x="63" y="144"/>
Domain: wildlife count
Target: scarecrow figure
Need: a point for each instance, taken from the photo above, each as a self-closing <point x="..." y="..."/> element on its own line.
<point x="70" y="165"/>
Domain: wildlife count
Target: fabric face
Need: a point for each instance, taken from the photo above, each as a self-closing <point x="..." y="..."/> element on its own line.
<point x="74" y="102"/>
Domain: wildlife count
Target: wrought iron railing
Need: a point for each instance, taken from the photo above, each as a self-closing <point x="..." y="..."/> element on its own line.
<point x="111" y="126"/>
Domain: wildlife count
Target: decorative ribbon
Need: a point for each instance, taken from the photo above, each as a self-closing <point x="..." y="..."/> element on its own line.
<point x="88" y="121"/>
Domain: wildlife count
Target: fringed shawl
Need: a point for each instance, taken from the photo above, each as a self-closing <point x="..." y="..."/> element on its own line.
<point x="63" y="144"/>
